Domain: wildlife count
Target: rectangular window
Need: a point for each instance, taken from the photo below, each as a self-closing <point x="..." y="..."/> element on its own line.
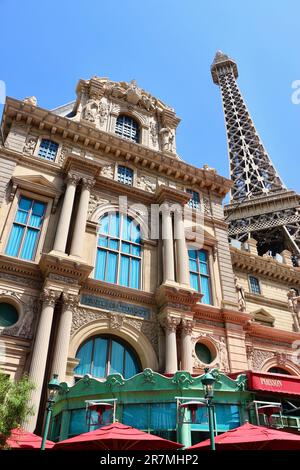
<point x="48" y="149"/>
<point x="125" y="175"/>
<point x="26" y="229"/>
<point x="194" y="202"/>
<point x="199" y="274"/>
<point x="254" y="285"/>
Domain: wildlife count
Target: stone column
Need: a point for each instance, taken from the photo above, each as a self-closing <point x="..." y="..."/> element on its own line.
<point x="40" y="352"/>
<point x="65" y="215"/>
<point x="168" y="242"/>
<point x="181" y="250"/>
<point x="81" y="217"/>
<point x="60" y="357"/>
<point x="170" y="325"/>
<point x="186" y="345"/>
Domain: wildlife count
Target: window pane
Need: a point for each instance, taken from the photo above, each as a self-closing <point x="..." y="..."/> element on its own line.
<point x="25" y="204"/>
<point x="193" y="254"/>
<point x="163" y="416"/>
<point x="135" y="232"/>
<point x="78" y="424"/>
<point x="194" y="280"/>
<point x="202" y="255"/>
<point x="104" y="224"/>
<point x="38" y="208"/>
<point x="205" y="289"/>
<point x="193" y="265"/>
<point x="126" y="228"/>
<point x="111" y="267"/>
<point x="100" y="265"/>
<point x="124" y="271"/>
<point x="21" y="216"/>
<point x="29" y="245"/>
<point x="100" y="357"/>
<point x="203" y="268"/>
<point x="131" y="367"/>
<point x="85" y="355"/>
<point x="126" y="247"/>
<point x="14" y="241"/>
<point x="8" y="315"/>
<point x="136" y="250"/>
<point x="117" y="358"/>
<point x="113" y="244"/>
<point x="135" y="273"/>
<point x="103" y="241"/>
<point x="136" y="415"/>
<point x="114" y="225"/>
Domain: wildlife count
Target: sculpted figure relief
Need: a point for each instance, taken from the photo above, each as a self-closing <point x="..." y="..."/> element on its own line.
<point x="30" y="146"/>
<point x="241" y="295"/>
<point x="294" y="307"/>
<point x="90" y="110"/>
<point x="167" y="139"/>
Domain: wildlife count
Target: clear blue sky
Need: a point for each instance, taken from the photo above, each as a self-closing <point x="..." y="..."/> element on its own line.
<point x="167" y="46"/>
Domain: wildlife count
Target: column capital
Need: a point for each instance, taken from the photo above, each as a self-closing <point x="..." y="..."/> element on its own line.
<point x="49" y="297"/>
<point x="72" y="178"/>
<point x="170" y="323"/>
<point x="70" y="301"/>
<point x="88" y="182"/>
<point x="187" y="326"/>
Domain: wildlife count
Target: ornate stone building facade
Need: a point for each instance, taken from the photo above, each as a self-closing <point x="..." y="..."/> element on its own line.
<point x="85" y="286"/>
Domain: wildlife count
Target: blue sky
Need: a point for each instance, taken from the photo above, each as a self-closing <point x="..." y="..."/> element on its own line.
<point x="167" y="46"/>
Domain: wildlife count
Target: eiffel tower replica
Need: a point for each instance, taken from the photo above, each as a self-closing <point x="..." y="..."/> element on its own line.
<point x="260" y="207"/>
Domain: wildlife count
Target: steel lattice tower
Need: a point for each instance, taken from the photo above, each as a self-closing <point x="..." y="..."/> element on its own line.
<point x="260" y="206"/>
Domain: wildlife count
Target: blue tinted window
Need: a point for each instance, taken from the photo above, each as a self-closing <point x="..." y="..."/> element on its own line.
<point x="48" y="149"/>
<point x="119" y="261"/>
<point x="254" y="285"/>
<point x="125" y="175"/>
<point x="194" y="202"/>
<point x="26" y="229"/>
<point x="199" y="274"/>
<point x="101" y="356"/>
<point x="127" y="128"/>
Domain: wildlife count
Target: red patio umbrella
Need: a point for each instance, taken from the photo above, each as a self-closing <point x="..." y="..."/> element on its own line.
<point x="250" y="437"/>
<point x="21" y="439"/>
<point x="116" y="436"/>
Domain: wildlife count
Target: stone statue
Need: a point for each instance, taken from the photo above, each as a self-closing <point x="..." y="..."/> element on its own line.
<point x="167" y="139"/>
<point x="30" y="100"/>
<point x="90" y="110"/>
<point x="294" y="307"/>
<point x="103" y="112"/>
<point x="241" y="295"/>
<point x="223" y="357"/>
<point x="30" y="146"/>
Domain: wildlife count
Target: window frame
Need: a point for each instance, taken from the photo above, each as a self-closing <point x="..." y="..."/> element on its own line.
<point x="128" y="167"/>
<point x="138" y="128"/>
<point x="258" y="282"/>
<point x="118" y="251"/>
<point x="48" y="201"/>
<point x="190" y="203"/>
<point x="199" y="274"/>
<point x="38" y="145"/>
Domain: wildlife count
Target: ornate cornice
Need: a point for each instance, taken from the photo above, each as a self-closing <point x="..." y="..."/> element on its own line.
<point x="64" y="266"/>
<point x="246" y="261"/>
<point x="176" y="297"/>
<point x="93" y="286"/>
<point x="20" y="268"/>
<point x="93" y="139"/>
<point x="272" y="334"/>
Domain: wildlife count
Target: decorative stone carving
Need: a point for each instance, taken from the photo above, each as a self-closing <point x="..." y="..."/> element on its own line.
<point x="259" y="357"/>
<point x="30" y="100"/>
<point x="49" y="297"/>
<point x="221" y="361"/>
<point x="25" y="327"/>
<point x="167" y="137"/>
<point x="187" y="326"/>
<point x="281" y="358"/>
<point x="108" y="171"/>
<point x="147" y="183"/>
<point x="63" y="153"/>
<point x="211" y="170"/>
<point x="207" y="205"/>
<point x="82" y="316"/>
<point x="24" y="281"/>
<point x="103" y="112"/>
<point x="94" y="202"/>
<point x="116" y="321"/>
<point x="73" y="178"/>
<point x="241" y="295"/>
<point x="250" y="354"/>
<point x="222" y="355"/>
<point x="154" y="133"/>
<point x="170" y="323"/>
<point x="70" y="302"/>
<point x="88" y="182"/>
<point x="294" y="308"/>
<point x="30" y="145"/>
<point x="90" y="110"/>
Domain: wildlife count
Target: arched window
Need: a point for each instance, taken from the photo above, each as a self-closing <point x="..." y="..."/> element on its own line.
<point x="8" y="315"/>
<point x="278" y="370"/>
<point x="48" y="149"/>
<point x="104" y="355"/>
<point x="254" y="285"/>
<point x="199" y="274"/>
<point x="119" y="251"/>
<point x="127" y="128"/>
